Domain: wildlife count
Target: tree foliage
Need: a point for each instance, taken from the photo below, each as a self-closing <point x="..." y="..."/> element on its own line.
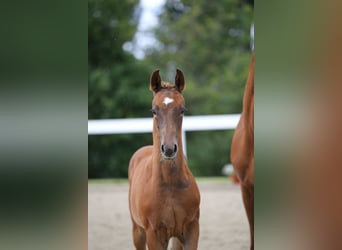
<point x="117" y="85"/>
<point x="208" y="40"/>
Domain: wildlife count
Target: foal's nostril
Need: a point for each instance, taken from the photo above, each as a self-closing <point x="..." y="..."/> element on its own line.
<point x="169" y="150"/>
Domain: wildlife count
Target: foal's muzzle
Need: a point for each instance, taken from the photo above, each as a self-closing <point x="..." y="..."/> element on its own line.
<point x="169" y="151"/>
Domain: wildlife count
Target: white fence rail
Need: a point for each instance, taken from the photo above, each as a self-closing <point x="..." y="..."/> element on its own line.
<point x="144" y="125"/>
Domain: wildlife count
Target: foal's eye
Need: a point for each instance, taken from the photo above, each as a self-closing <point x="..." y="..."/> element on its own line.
<point x="182" y="111"/>
<point x="153" y="111"/>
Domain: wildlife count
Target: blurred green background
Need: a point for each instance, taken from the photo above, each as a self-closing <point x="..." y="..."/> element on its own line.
<point x="44" y="105"/>
<point x="208" y="40"/>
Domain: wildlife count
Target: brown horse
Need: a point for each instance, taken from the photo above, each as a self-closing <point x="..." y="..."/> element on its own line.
<point x="242" y="150"/>
<point x="163" y="195"/>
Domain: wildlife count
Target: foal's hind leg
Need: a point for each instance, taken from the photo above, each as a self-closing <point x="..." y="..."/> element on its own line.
<point x="139" y="237"/>
<point x="174" y="244"/>
<point x="248" y="199"/>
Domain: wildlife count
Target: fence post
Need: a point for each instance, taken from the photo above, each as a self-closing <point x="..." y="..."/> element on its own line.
<point x="184" y="142"/>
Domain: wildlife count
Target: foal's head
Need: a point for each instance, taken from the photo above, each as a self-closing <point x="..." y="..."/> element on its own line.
<point x="168" y="107"/>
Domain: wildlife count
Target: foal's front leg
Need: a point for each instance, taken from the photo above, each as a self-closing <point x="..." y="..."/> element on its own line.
<point x="156" y="239"/>
<point x="139" y="237"/>
<point x="191" y="235"/>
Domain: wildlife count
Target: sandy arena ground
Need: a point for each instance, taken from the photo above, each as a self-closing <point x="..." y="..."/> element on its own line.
<point x="223" y="224"/>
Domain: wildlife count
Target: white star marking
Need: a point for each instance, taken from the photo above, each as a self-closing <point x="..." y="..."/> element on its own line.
<point x="167" y="100"/>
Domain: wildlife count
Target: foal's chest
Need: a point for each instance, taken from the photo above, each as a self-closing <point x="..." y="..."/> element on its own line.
<point x="173" y="210"/>
<point x="172" y="218"/>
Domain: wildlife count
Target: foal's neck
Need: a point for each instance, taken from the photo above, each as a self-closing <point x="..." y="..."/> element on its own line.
<point x="170" y="173"/>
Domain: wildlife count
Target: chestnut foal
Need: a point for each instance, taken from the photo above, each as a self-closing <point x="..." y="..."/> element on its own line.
<point x="163" y="196"/>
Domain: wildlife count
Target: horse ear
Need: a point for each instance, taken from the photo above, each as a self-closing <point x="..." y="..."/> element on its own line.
<point x="155" y="82"/>
<point x="179" y="81"/>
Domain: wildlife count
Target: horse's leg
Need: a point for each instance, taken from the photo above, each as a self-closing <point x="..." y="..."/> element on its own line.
<point x="191" y="235"/>
<point x="175" y="244"/>
<point x="156" y="240"/>
<point x="139" y="237"/>
<point x="247" y="187"/>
